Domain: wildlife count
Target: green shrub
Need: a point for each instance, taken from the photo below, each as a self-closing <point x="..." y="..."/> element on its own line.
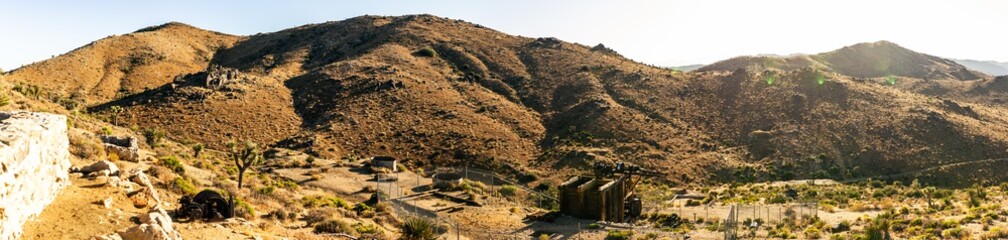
<point x="812" y="233"/>
<point x="173" y="163"/>
<point x="310" y="160"/>
<point x="418" y="229"/>
<point x="842" y="227"/>
<point x="508" y="190"/>
<point x="153" y="136"/>
<point x="619" y="235"/>
<point x="426" y="52"/>
<point x="335" y="226"/>
<point x="4" y="99"/>
<point x="361" y="207"/>
<point x="953" y="233"/>
<point x="184" y="186"/>
<point x="244" y="209"/>
<point x="314" y="201"/>
<point x="366" y="228"/>
<point x="594" y="226"/>
<point x="267" y="190"/>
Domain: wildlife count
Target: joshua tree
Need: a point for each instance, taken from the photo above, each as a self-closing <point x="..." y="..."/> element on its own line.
<point x="115" y="111"/>
<point x="244" y="156"/>
<point x="197" y="148"/>
<point x="929" y="194"/>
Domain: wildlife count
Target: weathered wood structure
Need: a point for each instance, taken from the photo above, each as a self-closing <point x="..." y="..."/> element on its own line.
<point x="608" y="196"/>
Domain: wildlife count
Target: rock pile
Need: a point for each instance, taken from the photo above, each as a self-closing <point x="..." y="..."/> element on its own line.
<point x="34" y="157"/>
<point x="218" y="77"/>
<point x="157" y="223"/>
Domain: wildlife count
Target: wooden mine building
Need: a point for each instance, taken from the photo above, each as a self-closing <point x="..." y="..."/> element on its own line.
<point x="607" y="196"/>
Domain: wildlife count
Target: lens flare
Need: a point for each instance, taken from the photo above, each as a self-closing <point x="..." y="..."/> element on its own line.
<point x="820" y="79"/>
<point x="891" y="80"/>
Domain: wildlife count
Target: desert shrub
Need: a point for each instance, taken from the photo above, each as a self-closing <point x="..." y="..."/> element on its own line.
<point x="594" y="226"/>
<point x="310" y="160"/>
<point x="4" y="99"/>
<point x="314" y="201"/>
<point x="508" y="190"/>
<point x="244" y="209"/>
<point x="184" y="186"/>
<point x="335" y="226"/>
<point x="544" y="236"/>
<point x="173" y="163"/>
<point x="85" y="147"/>
<point x="366" y="228"/>
<point x="812" y="233"/>
<point x="30" y="91"/>
<point x="153" y="136"/>
<point x="267" y="190"/>
<point x="843" y="226"/>
<point x="418" y="229"/>
<point x="995" y="233"/>
<point x="318" y="215"/>
<point x="953" y="233"/>
<point x="426" y="52"/>
<point x="361" y="207"/>
<point x="382" y="207"/>
<point x="619" y="235"/>
<point x="278" y="214"/>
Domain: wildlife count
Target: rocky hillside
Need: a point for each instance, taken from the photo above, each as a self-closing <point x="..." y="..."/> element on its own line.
<point x="442" y="92"/>
<point x="863" y="60"/>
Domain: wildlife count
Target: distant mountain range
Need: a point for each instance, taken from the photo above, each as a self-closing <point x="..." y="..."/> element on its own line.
<point x="863" y="60"/>
<point x="687" y="68"/>
<point x="989" y="67"/>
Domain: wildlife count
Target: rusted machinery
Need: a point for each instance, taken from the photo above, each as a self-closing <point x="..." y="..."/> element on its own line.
<point x="206" y="205"/>
<point x="607" y="196"/>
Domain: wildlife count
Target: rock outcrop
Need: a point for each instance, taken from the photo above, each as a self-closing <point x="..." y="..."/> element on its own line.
<point x="34" y="158"/>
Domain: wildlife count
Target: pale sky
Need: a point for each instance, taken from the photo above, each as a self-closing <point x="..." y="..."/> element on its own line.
<point x="664" y="33"/>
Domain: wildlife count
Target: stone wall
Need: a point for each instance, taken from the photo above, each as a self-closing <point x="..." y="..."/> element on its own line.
<point x="34" y="164"/>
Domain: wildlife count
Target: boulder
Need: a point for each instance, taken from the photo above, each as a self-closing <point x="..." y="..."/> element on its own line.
<point x="100" y="168"/>
<point x="156" y="225"/>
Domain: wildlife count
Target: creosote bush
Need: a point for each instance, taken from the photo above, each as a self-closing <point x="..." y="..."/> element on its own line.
<point x="426" y="52"/>
<point x="173" y="163"/>
<point x="335" y="226"/>
<point x="619" y="235"/>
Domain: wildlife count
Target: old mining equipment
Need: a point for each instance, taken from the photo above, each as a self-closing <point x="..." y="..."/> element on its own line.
<point x="607" y="196"/>
<point x="206" y="205"/>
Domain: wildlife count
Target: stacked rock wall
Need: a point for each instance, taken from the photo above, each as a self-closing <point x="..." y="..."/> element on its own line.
<point x="34" y="159"/>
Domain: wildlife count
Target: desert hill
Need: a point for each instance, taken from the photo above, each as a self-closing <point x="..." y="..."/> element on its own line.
<point x="441" y="92"/>
<point x="118" y="66"/>
<point x="863" y="60"/>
